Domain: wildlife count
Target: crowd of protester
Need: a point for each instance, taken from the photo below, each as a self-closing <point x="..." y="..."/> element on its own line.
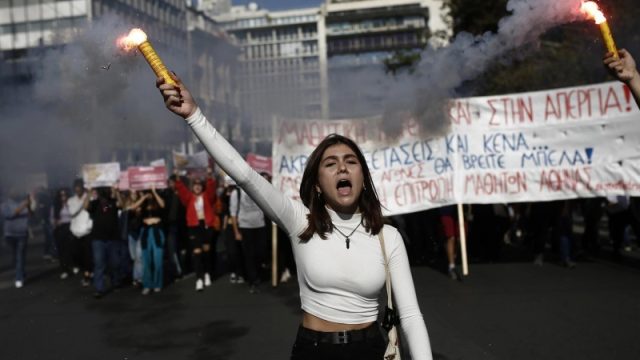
<point x="560" y="232"/>
<point x="109" y="239"/>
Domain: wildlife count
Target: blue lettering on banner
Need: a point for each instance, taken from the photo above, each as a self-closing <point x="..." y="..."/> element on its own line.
<point x="500" y="143"/>
<point x="456" y="143"/>
<point x="545" y="158"/>
<point x="489" y="161"/>
<point x="442" y="165"/>
<point x="403" y="155"/>
<point x="292" y="164"/>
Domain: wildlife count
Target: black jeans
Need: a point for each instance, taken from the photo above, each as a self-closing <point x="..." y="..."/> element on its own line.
<point x="371" y="348"/>
<point x="63" y="238"/>
<point x="252" y="240"/>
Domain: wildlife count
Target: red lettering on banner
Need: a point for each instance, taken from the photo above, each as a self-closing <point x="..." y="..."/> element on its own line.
<point x="414" y="172"/>
<point x="611" y="102"/>
<point x="287" y="128"/>
<point x="550" y="109"/>
<point x="432" y="190"/>
<point x="571" y="105"/>
<point x="412" y="127"/>
<point x="565" y="179"/>
<point x="510" y="111"/>
<point x="584" y="102"/>
<point x="459" y="111"/>
<point x="313" y="132"/>
<point x="496" y="183"/>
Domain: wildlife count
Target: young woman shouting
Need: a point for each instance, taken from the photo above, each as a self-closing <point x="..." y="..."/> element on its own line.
<point x="334" y="233"/>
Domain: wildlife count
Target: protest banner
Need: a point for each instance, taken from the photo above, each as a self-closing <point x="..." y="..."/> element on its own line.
<point x="261" y="164"/>
<point x="158" y="162"/>
<point x="147" y="177"/>
<point x="123" y="182"/>
<point x="194" y="165"/>
<point x="100" y="175"/>
<point x="546" y="145"/>
<point x="199" y="160"/>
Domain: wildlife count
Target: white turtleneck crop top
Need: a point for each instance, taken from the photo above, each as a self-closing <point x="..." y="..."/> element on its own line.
<point x="336" y="284"/>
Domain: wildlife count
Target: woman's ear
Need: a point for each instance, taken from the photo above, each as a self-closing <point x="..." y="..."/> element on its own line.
<point x="318" y="190"/>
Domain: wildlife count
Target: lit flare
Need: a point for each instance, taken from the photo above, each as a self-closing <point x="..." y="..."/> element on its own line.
<point x="138" y="39"/>
<point x="591" y="9"/>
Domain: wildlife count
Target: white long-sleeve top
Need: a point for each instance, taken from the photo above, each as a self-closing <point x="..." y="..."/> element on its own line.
<point x="336" y="284"/>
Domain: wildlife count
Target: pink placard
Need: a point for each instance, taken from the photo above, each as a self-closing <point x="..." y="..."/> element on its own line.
<point x="260" y="163"/>
<point x="146" y="177"/>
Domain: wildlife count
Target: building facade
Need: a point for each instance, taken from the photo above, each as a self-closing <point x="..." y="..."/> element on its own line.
<point x="30" y="28"/>
<point x="365" y="40"/>
<point x="282" y="66"/>
<point x="331" y="61"/>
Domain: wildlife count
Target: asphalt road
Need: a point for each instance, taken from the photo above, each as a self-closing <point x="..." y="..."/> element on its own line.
<point x="501" y="311"/>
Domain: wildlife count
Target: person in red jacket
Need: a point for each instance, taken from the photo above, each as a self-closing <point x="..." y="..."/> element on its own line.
<point x="202" y="223"/>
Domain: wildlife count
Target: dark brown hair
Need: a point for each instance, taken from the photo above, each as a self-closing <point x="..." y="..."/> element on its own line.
<point x="318" y="219"/>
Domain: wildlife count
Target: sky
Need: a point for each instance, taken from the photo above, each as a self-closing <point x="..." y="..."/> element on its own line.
<point x="281" y="4"/>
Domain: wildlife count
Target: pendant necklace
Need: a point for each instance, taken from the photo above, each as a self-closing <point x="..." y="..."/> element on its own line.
<point x="346" y="237"/>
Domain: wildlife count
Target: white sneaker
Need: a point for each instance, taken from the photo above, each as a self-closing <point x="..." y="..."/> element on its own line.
<point x="76" y="270"/>
<point x="146" y="291"/>
<point x="207" y="280"/>
<point x="18" y="284"/>
<point x="199" y="285"/>
<point x="233" y="278"/>
<point x="240" y="280"/>
<point x="64" y="275"/>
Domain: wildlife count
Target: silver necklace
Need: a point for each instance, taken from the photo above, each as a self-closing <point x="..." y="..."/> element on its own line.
<point x="346" y="237"/>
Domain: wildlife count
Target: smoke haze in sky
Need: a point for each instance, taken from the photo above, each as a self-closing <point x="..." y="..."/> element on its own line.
<point x="86" y="100"/>
<point x="77" y="112"/>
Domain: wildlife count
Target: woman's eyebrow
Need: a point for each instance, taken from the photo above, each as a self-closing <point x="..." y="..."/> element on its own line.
<point x="336" y="157"/>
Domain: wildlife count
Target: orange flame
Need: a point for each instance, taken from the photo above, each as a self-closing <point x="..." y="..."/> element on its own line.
<point x="137" y="39"/>
<point x="593" y="11"/>
<point x="133" y="40"/>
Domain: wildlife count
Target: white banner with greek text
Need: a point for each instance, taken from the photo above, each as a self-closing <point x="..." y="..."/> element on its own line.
<point x="546" y="145"/>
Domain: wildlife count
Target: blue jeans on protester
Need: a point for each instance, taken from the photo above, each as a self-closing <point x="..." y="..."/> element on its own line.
<point x="18" y="245"/>
<point x="152" y="240"/>
<point x="105" y="253"/>
<point x="136" y="256"/>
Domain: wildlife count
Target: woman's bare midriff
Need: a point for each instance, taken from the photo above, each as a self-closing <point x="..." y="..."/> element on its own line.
<point x="315" y="323"/>
<point x="151" y="221"/>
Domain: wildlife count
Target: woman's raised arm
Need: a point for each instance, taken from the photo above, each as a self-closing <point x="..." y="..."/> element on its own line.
<point x="290" y="215"/>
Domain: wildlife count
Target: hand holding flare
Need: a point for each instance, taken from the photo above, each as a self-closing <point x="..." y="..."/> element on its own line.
<point x="137" y="38"/>
<point x="592" y="10"/>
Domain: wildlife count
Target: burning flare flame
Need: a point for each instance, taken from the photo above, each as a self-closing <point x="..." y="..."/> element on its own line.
<point x="133" y="40"/>
<point x="593" y="10"/>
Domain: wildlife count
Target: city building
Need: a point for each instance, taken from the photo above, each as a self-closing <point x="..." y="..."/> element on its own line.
<point x="31" y="28"/>
<point x="330" y="61"/>
<point x="367" y="40"/>
<point x="282" y="66"/>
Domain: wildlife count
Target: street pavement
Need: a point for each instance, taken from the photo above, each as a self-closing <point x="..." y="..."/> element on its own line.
<point x="500" y="311"/>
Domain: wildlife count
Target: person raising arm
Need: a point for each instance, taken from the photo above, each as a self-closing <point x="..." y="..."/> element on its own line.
<point x="625" y="70"/>
<point x="334" y="233"/>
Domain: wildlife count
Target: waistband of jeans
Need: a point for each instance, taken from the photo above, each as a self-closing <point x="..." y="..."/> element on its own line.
<point x="340" y="337"/>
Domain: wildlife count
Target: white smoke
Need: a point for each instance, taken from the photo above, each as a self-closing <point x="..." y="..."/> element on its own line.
<point x="468" y="56"/>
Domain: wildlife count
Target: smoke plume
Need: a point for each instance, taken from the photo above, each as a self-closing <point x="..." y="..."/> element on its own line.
<point x="443" y="70"/>
<point x="87" y="102"/>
